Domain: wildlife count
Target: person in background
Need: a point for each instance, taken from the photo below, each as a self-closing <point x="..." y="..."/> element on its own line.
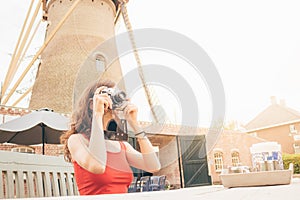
<point x="102" y="166"/>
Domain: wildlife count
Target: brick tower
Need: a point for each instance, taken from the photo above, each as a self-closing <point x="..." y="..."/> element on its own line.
<point x="72" y="60"/>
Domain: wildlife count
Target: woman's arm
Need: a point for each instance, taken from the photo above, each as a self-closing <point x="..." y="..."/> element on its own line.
<point x="91" y="155"/>
<point x="147" y="158"/>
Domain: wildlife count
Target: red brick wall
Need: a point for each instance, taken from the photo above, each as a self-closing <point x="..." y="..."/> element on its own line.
<point x="227" y="142"/>
<point x="168" y="156"/>
<point x="50" y="149"/>
<point x="281" y="135"/>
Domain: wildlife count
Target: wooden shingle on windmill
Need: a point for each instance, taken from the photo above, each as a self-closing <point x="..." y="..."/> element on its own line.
<point x="278" y="123"/>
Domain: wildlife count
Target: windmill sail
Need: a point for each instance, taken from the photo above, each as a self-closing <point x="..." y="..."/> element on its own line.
<point x="158" y="114"/>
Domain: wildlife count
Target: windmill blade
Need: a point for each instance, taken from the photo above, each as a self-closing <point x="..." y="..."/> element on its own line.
<point x="153" y="101"/>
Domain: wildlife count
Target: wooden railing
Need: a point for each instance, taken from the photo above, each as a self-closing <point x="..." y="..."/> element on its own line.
<point x="31" y="175"/>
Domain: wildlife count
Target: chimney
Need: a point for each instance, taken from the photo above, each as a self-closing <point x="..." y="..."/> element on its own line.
<point x="273" y="100"/>
<point x="282" y="102"/>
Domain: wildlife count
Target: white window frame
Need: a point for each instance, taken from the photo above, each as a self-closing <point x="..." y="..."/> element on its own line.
<point x="218" y="158"/>
<point x="235" y="158"/>
<point x="293" y="129"/>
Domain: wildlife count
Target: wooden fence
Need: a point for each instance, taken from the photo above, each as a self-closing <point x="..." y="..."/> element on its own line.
<point x="31" y="175"/>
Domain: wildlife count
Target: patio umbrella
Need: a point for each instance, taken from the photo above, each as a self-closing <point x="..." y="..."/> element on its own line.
<point x="38" y="127"/>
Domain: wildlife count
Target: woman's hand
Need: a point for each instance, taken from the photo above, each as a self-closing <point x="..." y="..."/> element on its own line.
<point x="101" y="102"/>
<point x="125" y="1"/>
<point x="130" y="114"/>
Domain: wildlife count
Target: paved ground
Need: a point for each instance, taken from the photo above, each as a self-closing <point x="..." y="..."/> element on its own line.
<point x="280" y="192"/>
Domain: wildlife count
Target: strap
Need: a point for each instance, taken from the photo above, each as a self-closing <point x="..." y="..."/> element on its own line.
<point x="123" y="146"/>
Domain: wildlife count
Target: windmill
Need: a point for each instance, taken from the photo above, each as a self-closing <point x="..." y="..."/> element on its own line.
<point x="88" y="24"/>
<point x="74" y="28"/>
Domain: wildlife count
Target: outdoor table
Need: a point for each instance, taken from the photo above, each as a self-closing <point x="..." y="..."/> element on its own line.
<point x="278" y="192"/>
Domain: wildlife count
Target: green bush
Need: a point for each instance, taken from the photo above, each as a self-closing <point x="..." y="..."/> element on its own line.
<point x="292" y="158"/>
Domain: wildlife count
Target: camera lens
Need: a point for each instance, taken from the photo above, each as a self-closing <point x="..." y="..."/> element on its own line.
<point x="119" y="97"/>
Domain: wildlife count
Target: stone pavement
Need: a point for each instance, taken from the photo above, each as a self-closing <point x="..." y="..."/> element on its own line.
<point x="215" y="192"/>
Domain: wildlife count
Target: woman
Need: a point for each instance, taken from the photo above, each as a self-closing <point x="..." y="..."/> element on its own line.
<point x="102" y="166"/>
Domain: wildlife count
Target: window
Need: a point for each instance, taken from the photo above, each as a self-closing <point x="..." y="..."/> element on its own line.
<point x="218" y="157"/>
<point x="293" y="129"/>
<point x="100" y="63"/>
<point x="297" y="144"/>
<point x="23" y="149"/>
<point x="297" y="140"/>
<point x="235" y="158"/>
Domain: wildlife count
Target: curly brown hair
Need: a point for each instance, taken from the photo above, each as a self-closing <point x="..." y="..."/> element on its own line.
<point x="81" y="119"/>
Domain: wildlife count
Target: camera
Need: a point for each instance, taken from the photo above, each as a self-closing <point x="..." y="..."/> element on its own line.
<point x="116" y="130"/>
<point x="118" y="98"/>
<point x="113" y="135"/>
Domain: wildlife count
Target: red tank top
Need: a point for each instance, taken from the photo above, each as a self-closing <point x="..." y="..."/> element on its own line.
<point x="116" y="178"/>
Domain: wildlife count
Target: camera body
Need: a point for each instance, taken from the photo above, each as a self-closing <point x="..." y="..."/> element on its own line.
<point x="118" y="131"/>
<point x="118" y="98"/>
<point x="118" y="136"/>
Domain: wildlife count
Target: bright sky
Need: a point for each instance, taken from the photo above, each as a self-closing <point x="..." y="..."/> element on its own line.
<point x="255" y="44"/>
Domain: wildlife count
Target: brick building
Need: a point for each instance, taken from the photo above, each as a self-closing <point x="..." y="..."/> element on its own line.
<point x="231" y="149"/>
<point x="278" y="123"/>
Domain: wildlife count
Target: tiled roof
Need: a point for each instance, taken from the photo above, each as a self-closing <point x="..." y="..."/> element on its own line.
<point x="149" y="127"/>
<point x="171" y="129"/>
<point x="272" y="116"/>
<point x="9" y="110"/>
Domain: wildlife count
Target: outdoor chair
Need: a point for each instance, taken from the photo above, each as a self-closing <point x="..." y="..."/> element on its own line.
<point x="162" y="182"/>
<point x="157" y="183"/>
<point x="133" y="185"/>
<point x="143" y="184"/>
<point x="154" y="183"/>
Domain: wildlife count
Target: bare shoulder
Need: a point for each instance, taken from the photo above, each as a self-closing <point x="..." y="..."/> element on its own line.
<point x="128" y="146"/>
<point x="76" y="139"/>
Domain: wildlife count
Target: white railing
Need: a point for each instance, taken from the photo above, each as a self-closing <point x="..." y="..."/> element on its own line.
<point x="31" y="175"/>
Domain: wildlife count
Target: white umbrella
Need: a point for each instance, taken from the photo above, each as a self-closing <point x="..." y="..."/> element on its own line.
<point x="38" y="127"/>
